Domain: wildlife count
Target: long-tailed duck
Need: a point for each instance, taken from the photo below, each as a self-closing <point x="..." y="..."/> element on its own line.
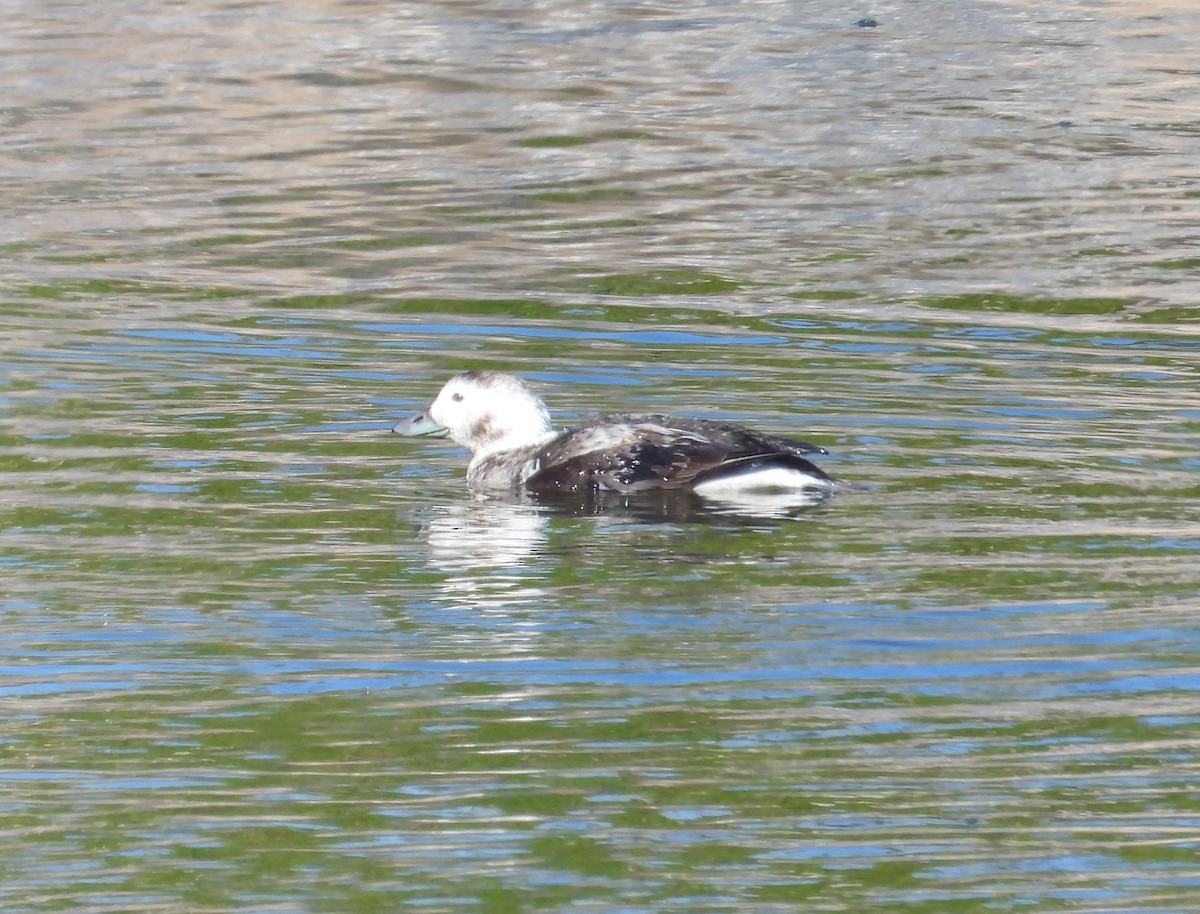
<point x="507" y="429"/>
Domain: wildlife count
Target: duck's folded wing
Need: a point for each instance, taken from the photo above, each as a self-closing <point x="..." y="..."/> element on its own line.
<point x="634" y="453"/>
<point x="641" y="465"/>
<point x="746" y="440"/>
<point x="736" y="438"/>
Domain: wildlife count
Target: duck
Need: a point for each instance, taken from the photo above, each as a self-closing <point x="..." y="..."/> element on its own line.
<point x="507" y="428"/>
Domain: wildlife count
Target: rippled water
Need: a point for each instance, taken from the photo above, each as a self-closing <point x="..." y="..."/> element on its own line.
<point x="257" y="654"/>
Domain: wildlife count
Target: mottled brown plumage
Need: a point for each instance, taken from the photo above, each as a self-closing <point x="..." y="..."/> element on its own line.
<point x="630" y="453"/>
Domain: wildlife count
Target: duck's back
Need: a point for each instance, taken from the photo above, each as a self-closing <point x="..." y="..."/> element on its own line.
<point x="630" y="453"/>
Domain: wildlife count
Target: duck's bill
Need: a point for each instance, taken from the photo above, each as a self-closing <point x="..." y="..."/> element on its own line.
<point x="421" y="425"/>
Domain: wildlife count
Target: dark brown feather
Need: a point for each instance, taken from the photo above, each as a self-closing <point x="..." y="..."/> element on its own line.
<point x="630" y="453"/>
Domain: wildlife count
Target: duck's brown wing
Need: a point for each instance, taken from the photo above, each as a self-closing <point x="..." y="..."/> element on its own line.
<point x="726" y="434"/>
<point x="630" y="453"/>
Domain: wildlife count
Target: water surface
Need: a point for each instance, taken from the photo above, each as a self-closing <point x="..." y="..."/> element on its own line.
<point x="256" y="654"/>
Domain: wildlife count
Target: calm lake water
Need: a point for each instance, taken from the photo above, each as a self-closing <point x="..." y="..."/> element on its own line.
<point x="257" y="654"/>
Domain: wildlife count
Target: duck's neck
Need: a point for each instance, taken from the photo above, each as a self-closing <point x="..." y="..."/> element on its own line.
<point x="486" y="446"/>
<point x="507" y="463"/>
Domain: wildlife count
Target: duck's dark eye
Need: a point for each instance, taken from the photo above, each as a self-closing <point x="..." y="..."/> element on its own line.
<point x="457" y="398"/>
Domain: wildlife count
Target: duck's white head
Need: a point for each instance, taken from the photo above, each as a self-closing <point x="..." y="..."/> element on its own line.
<point x="487" y="412"/>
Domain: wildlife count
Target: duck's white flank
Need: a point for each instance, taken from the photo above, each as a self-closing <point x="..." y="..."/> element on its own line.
<point x="759" y="480"/>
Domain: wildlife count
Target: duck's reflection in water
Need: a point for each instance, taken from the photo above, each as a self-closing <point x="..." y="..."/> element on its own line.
<point x="493" y="551"/>
<point x="489" y="551"/>
<point x="498" y="560"/>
